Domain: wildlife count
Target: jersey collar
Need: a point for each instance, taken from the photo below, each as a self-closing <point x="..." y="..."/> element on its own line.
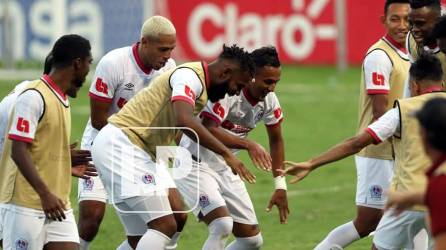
<point x="53" y="86"/>
<point x="206" y="73"/>
<point x="144" y="69"/>
<point x="395" y="44"/>
<point x="433" y="89"/>
<point x="249" y="98"/>
<point x="436" y="165"/>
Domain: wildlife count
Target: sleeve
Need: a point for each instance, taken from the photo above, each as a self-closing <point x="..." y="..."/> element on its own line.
<point x="437" y="203"/>
<point x="377" y="70"/>
<point x="186" y="86"/>
<point x="217" y="111"/>
<point x="105" y="81"/>
<point x="385" y="127"/>
<point x="274" y="115"/>
<point x="28" y="110"/>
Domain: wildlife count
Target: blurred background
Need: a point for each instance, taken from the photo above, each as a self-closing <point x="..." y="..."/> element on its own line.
<point x="321" y="44"/>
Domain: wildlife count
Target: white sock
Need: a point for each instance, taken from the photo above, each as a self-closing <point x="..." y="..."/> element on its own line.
<point x="154" y="240"/>
<point x="246" y="243"/>
<point x="173" y="241"/>
<point x="339" y="237"/>
<point x="84" y="245"/>
<point x="219" y="230"/>
<point x="124" y="246"/>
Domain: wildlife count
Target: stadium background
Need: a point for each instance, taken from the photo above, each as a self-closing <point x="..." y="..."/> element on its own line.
<point x="322" y="43"/>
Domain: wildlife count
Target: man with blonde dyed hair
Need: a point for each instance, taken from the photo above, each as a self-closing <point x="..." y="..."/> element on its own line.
<point x="119" y="75"/>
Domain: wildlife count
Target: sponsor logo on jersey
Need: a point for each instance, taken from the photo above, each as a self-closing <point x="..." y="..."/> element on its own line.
<point x="129" y="86"/>
<point x="21" y="244"/>
<point x="148" y="179"/>
<point x="376" y="192"/>
<point x="204" y="201"/>
<point x="88" y="184"/>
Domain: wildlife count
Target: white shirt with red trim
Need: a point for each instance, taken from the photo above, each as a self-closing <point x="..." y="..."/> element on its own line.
<point x="119" y="75"/>
<point x="186" y="86"/>
<point x="386" y="126"/>
<point x="5" y="109"/>
<point x="238" y="115"/>
<point x="377" y="70"/>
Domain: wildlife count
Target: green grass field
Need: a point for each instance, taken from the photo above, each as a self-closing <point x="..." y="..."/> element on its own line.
<point x="320" y="108"/>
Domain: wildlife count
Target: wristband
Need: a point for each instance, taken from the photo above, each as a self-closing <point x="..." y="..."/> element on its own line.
<point x="280" y="182"/>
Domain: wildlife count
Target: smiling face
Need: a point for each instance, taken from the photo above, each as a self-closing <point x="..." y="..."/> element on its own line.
<point x="422" y="22"/>
<point x="156" y="51"/>
<point x="265" y="82"/>
<point x="396" y="21"/>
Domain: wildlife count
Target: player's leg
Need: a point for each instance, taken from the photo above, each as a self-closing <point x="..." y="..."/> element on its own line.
<point x="92" y="199"/>
<point x="62" y="234"/>
<point x="398" y="232"/>
<point x="201" y="193"/>
<point x="373" y="177"/>
<point x="245" y="228"/>
<point x="92" y="204"/>
<point x="177" y="206"/>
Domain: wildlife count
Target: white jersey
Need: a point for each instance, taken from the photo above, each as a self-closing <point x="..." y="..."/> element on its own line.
<point x="120" y="74"/>
<point x="238" y="115"/>
<point x="5" y="109"/>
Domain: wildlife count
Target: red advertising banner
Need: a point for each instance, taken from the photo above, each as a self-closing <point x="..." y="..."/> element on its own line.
<point x="304" y="31"/>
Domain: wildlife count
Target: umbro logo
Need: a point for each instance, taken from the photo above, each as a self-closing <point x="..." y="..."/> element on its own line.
<point x="129" y="86"/>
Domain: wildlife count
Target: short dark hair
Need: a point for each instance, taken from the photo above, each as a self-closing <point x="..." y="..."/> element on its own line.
<point x="432" y="118"/>
<point x="69" y="47"/>
<point x="432" y="4"/>
<point x="439" y="30"/>
<point x="48" y="64"/>
<point x="389" y="2"/>
<point x="426" y="67"/>
<point x="265" y="56"/>
<point x="241" y="56"/>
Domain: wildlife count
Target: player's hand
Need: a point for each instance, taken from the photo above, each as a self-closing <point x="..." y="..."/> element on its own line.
<point x="52" y="206"/>
<point x="84" y="171"/>
<point x="280" y="200"/>
<point x="299" y="170"/>
<point x="259" y="156"/>
<point x="239" y="168"/>
<point x="399" y="202"/>
<point x="79" y="157"/>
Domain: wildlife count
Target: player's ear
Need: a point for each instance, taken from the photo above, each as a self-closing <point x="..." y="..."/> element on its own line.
<point x="77" y="63"/>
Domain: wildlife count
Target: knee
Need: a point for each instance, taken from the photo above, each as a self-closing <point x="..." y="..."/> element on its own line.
<point x="166" y="225"/>
<point x="365" y="226"/>
<point x="221" y="226"/>
<point x="253" y="242"/>
<point x="180" y="219"/>
<point x="89" y="227"/>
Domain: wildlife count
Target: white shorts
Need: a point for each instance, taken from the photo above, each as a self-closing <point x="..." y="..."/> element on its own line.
<point x="204" y="190"/>
<point x="135" y="224"/>
<point x="91" y="189"/>
<point x="373" y="180"/>
<point x="2" y="215"/>
<point x="126" y="170"/>
<point x="29" y="229"/>
<point x="398" y="232"/>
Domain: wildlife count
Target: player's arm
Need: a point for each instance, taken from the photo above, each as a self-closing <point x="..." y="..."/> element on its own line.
<point x="257" y="153"/>
<point x="401" y="201"/>
<point x="28" y="110"/>
<point x="377" y="70"/>
<point x="101" y="92"/>
<point x="277" y="150"/>
<point x="440" y="241"/>
<point x="378" y="131"/>
<point x="184" y="117"/>
<point x="185" y="86"/>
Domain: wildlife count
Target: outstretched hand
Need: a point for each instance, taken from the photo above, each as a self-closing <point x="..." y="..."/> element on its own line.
<point x="298" y="170"/>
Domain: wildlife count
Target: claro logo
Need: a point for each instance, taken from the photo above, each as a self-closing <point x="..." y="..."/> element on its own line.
<point x="295" y="33"/>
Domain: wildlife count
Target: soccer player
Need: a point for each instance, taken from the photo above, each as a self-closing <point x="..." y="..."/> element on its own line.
<point x="124" y="150"/>
<point x="432" y="120"/>
<point x="385" y="69"/>
<point x="423" y="16"/>
<point x="439" y="33"/>
<point x="223" y="201"/>
<point x="120" y="74"/>
<point x="35" y="167"/>
<point x="410" y="163"/>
